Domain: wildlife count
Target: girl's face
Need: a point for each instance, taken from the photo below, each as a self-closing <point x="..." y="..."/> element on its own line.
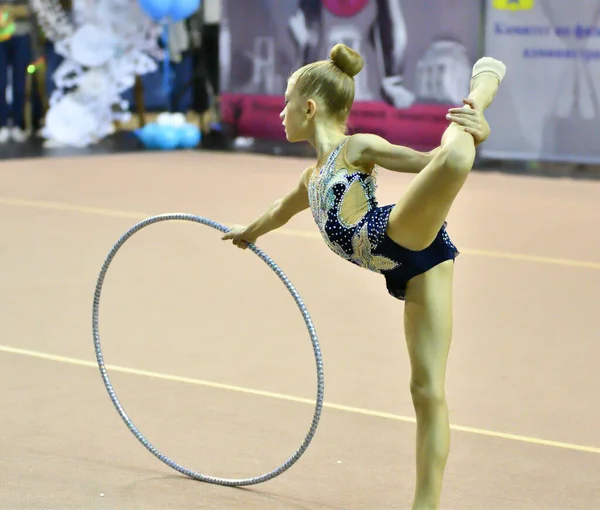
<point x="296" y="115"/>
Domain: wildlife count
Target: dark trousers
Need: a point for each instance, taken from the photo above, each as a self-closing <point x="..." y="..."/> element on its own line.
<point x="15" y="54"/>
<point x="206" y="67"/>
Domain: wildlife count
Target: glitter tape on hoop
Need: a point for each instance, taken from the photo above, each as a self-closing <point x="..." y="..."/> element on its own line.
<point x="311" y="330"/>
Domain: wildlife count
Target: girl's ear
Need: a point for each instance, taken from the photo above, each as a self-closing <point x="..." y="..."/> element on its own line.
<point x="311" y="108"/>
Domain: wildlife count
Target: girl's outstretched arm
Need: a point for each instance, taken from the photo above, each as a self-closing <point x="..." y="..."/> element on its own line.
<point x="277" y="215"/>
<point x="367" y="150"/>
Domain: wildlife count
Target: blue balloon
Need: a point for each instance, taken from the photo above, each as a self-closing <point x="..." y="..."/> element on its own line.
<point x="189" y="136"/>
<point x="156" y="9"/>
<point x="168" y="138"/>
<point x="148" y="135"/>
<point x="165" y="137"/>
<point x="182" y="9"/>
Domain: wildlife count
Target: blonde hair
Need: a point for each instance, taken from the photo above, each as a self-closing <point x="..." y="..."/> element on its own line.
<point x="331" y="81"/>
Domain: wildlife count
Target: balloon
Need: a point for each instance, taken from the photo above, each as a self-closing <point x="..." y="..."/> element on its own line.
<point x="189" y="136"/>
<point x="149" y="135"/>
<point x="167" y="138"/>
<point x="181" y="9"/>
<point x="177" y="119"/>
<point x="164" y="119"/>
<point x="156" y="9"/>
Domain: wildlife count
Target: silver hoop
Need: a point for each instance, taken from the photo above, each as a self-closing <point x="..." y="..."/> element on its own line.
<point x="111" y="392"/>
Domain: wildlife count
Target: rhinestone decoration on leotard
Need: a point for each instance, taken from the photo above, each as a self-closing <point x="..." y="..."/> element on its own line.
<point x="360" y="241"/>
<point x="356" y="243"/>
<point x="111" y="392"/>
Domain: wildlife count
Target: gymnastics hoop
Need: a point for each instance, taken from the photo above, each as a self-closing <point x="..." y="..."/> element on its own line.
<point x="111" y="392"/>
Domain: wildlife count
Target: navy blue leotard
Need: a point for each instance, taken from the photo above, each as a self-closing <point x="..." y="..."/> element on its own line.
<point x="345" y="208"/>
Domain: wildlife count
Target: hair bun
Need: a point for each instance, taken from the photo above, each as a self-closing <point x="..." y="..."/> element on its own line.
<point x="348" y="60"/>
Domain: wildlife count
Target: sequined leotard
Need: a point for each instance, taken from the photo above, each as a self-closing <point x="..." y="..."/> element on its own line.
<point x="352" y="224"/>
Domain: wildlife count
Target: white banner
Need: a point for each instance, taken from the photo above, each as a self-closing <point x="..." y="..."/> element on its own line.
<point x="548" y="107"/>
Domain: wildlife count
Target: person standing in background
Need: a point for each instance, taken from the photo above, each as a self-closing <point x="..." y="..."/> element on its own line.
<point x="15" y="54"/>
<point x="204" y="28"/>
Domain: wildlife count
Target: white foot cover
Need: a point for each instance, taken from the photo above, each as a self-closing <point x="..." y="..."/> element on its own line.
<point x="489" y="65"/>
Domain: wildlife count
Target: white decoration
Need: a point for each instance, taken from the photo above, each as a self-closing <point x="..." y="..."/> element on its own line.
<point x="106" y="43"/>
<point x="69" y="116"/>
<point x="163" y="119"/>
<point x="92" y="47"/>
<point x="178" y="119"/>
<point x="171" y="119"/>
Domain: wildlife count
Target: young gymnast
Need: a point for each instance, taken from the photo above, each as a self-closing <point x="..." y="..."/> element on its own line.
<point x="407" y="242"/>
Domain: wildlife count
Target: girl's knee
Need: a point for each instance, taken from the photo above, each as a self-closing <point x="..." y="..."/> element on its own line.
<point x="427" y="395"/>
<point x="457" y="159"/>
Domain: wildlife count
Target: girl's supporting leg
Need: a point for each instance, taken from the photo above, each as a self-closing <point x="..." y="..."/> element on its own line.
<point x="428" y="330"/>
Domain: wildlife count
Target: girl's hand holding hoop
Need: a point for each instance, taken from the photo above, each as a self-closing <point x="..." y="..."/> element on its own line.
<point x="240" y="237"/>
